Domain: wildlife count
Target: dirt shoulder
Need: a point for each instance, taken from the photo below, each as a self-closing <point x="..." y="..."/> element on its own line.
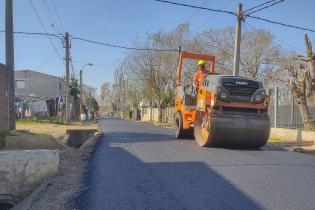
<point x="56" y="130"/>
<point x="59" y="191"/>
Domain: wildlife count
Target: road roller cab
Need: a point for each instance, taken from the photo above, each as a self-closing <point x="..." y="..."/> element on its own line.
<point x="224" y="110"/>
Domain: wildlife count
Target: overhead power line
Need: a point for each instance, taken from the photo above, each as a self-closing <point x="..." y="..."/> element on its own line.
<point x="232" y="13"/>
<point x="47" y="59"/>
<point x="123" y="47"/>
<point x="197" y="7"/>
<point x="260" y="5"/>
<point x="265" y="7"/>
<point x="51" y="16"/>
<point x="43" y="26"/>
<point x="281" y="41"/>
<point x="205" y="2"/>
<point x="214" y="15"/>
<point x="57" y="14"/>
<point x="282" y="24"/>
<point x="59" y="36"/>
<point x="36" y="34"/>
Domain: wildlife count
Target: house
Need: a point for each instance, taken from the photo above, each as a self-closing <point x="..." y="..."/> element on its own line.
<point x="28" y="82"/>
<point x="38" y="94"/>
<point x="3" y="99"/>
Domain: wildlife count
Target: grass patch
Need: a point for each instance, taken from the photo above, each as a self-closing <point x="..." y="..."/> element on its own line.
<point x="35" y="121"/>
<point x="275" y="139"/>
<point x="310" y="127"/>
<point x="160" y="123"/>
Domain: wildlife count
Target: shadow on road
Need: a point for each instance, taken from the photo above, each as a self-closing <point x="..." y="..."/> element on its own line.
<point x="119" y="180"/>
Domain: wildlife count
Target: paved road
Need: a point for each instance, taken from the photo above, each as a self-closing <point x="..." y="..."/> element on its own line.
<point x="140" y="166"/>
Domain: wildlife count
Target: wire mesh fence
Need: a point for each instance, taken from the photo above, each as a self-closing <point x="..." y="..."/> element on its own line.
<point x="283" y="110"/>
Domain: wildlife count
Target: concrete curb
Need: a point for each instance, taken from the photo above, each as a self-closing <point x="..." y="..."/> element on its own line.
<point x="23" y="171"/>
<point x="31" y="142"/>
<point x="86" y="150"/>
<point x="293" y="135"/>
<point x="290" y="144"/>
<point x="90" y="142"/>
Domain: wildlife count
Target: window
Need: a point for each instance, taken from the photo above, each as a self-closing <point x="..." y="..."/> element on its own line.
<point x="20" y="84"/>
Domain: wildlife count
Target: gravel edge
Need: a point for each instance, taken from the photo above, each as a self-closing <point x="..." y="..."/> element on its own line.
<point x="59" y="191"/>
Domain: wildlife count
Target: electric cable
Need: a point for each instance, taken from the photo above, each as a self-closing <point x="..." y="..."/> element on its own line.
<point x="265" y="7"/>
<point x="43" y="26"/>
<point x="122" y="47"/>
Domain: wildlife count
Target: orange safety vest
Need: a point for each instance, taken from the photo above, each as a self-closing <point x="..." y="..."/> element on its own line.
<point x="198" y="77"/>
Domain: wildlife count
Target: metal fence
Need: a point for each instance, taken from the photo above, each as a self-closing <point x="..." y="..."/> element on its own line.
<point x="283" y="110"/>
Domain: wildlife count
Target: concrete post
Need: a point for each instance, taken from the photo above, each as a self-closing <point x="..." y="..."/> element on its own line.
<point x="276" y="107"/>
<point x="81" y="89"/>
<point x="67" y="46"/>
<point x="9" y="48"/>
<point x="237" y="44"/>
<point x="292" y="110"/>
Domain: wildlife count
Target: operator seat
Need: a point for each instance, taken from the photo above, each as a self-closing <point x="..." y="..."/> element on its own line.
<point x="189" y="96"/>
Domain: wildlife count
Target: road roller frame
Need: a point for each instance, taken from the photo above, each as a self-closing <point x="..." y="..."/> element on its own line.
<point x="184" y="115"/>
<point x="245" y="124"/>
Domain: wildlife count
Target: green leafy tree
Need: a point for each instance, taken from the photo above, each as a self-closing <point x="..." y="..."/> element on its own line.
<point x="74" y="88"/>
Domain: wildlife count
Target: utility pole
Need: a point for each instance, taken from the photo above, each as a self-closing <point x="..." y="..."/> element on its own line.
<point x="276" y="106"/>
<point x="124" y="104"/>
<point x="89" y="103"/>
<point x="292" y="109"/>
<point x="9" y="45"/>
<point x="81" y="86"/>
<point x="81" y="89"/>
<point x="67" y="58"/>
<point x="151" y="100"/>
<point x="237" y="44"/>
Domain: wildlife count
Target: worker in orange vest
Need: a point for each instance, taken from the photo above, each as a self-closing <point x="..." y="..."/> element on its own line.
<point x="199" y="74"/>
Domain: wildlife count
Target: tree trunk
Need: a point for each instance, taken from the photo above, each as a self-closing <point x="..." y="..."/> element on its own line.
<point x="311" y="61"/>
<point x="160" y="113"/>
<point x="304" y="111"/>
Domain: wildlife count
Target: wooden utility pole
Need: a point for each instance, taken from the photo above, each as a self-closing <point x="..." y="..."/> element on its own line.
<point x="67" y="58"/>
<point x="237" y="44"/>
<point x="9" y="45"/>
<point x="89" y="110"/>
<point x="81" y="99"/>
<point x="276" y="100"/>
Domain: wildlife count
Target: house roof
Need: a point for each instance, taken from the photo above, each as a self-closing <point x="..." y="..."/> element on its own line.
<point x="36" y="72"/>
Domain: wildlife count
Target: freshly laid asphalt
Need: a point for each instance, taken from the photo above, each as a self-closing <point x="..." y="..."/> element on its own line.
<point x="141" y="166"/>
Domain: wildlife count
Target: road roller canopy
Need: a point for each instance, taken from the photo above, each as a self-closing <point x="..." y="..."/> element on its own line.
<point x="209" y="59"/>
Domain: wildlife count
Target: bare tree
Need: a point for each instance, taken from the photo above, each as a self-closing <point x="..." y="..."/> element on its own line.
<point x="302" y="80"/>
<point x="105" y="94"/>
<point x="298" y="83"/>
<point x="310" y="59"/>
<point x="150" y="75"/>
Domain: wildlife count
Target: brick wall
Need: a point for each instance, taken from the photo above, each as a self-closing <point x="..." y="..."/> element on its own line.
<point x="3" y="99"/>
